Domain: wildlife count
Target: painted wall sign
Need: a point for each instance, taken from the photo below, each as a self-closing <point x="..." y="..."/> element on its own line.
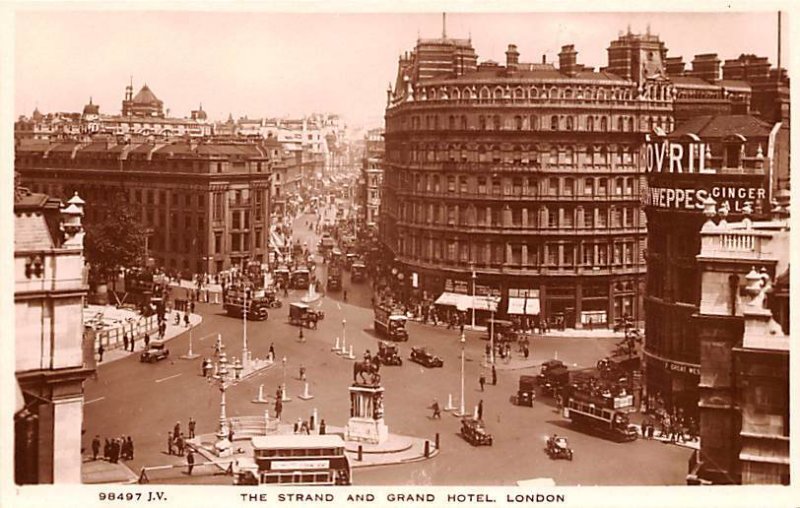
<point x="667" y="157"/>
<point x="692" y="198"/>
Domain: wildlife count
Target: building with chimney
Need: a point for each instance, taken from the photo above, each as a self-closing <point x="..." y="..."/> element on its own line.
<point x="52" y="358"/>
<point x="743" y="330"/>
<point x="520" y="180"/>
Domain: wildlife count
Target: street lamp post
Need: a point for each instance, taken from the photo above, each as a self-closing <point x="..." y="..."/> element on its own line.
<point x="222" y="379"/>
<point x="491" y="334"/>
<point x="283" y="385"/>
<point x="344" y="328"/>
<point x="474" y="279"/>
<point x="461" y="403"/>
<point x="245" y="352"/>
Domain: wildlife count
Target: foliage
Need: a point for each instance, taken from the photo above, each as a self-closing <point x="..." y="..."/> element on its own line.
<point x="116" y="242"/>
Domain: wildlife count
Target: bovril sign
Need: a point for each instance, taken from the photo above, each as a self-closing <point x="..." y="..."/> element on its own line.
<point x="665" y="157"/>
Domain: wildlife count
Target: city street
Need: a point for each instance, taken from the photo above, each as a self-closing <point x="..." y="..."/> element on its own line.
<point x="145" y="400"/>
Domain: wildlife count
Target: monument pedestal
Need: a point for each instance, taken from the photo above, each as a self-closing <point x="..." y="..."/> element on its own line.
<point x="366" y="415"/>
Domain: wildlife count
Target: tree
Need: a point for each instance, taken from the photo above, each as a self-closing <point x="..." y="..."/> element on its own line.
<point x="116" y="242"/>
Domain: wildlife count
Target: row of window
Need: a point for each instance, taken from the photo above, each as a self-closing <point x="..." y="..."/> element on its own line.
<point x="520" y="92"/>
<point x="513" y="154"/>
<point x="519" y="186"/>
<point x="507" y="217"/>
<point x="552" y="254"/>
<point x="497" y="122"/>
<point x="159" y="198"/>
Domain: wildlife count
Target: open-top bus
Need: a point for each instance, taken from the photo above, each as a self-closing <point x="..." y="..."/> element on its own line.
<point x="606" y="416"/>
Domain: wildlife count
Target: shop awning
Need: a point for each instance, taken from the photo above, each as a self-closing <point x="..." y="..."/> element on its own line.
<point x="452" y="299"/>
<point x="523" y="306"/>
<point x="487" y="303"/>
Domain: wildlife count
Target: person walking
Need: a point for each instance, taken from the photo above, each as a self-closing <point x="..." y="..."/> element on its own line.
<point x="130" y="447"/>
<point x="170" y="443"/>
<point x="125" y="341"/>
<point x="272" y="351"/>
<point x="480" y="410"/>
<point x="494" y="375"/>
<point x="133" y="341"/>
<point x="322" y="427"/>
<point x="437" y="412"/>
<point x="279" y="408"/>
<point x="302" y="373"/>
<point x="100" y="351"/>
<point x="176" y="430"/>
<point x="482" y="381"/>
<point x="95" y="446"/>
<point x="146" y="340"/>
<point x="192" y="425"/>
<point x="181" y="442"/>
<point x="186" y="320"/>
<point x="107" y="449"/>
<point x="190" y="461"/>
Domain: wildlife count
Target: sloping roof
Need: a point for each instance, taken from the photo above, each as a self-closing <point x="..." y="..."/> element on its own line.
<point x="735" y="84"/>
<point x="31" y="231"/>
<point x="145" y="96"/>
<point x="692" y="82"/>
<point x="32" y="145"/>
<point x="722" y="126"/>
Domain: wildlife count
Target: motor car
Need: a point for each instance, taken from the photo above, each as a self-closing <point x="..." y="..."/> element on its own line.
<point x="155" y="351"/>
<point x="474" y="432"/>
<point x="425" y="358"/>
<point x="389" y="354"/>
<point x="558" y="448"/>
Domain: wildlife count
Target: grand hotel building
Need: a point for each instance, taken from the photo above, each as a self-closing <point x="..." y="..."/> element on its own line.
<point x="523" y="180"/>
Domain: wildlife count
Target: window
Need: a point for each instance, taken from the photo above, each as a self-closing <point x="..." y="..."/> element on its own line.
<point x="616" y="217"/>
<point x="589" y="123"/>
<point x="482" y="185"/>
<point x="201" y="201"/>
<point x="552" y="254"/>
<point x="451" y="215"/>
<point x="187" y="200"/>
<point x="534" y="122"/>
<point x="451" y="184"/>
<point x="517" y="183"/>
<point x="569" y="185"/>
<point x="569" y="255"/>
<point x="150" y="197"/>
<point x="552" y="188"/>
<point x="187" y="222"/>
<point x="602" y="218"/>
<point x="588" y="186"/>
<point x="629" y="217"/>
<point x="588" y="218"/>
<point x="588" y="254"/>
<point x="436" y="187"/>
<point x="602" y="254"/>
<point x="569" y="218"/>
<point x="518" y="122"/>
<point x="236" y="220"/>
<point x="482" y="122"/>
<point x="629" y="186"/>
<point x="451" y="251"/>
<point x="602" y="188"/>
<point x="618" y="185"/>
<point x="553" y="156"/>
<point x="496" y="121"/>
<point x="552" y="218"/>
<point x="617" y="254"/>
<point x="554" y="123"/>
<point x="462" y="184"/>
<point x="570" y="123"/>
<point x="495" y="186"/>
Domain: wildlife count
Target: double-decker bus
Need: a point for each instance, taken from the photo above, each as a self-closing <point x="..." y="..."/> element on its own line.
<point x="296" y="459"/>
<point x="604" y="415"/>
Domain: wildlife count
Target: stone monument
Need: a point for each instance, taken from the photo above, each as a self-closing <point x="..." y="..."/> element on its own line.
<point x="366" y="404"/>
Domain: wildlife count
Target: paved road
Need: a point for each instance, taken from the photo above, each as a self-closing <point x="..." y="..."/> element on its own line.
<point x="145" y="401"/>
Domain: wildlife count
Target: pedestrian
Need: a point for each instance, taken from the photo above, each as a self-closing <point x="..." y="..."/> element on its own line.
<point x="230" y="434"/>
<point x="482" y="381"/>
<point x="192" y="425"/>
<point x="322" y="427"/>
<point x="437" y="412"/>
<point x="133" y="341"/>
<point x="302" y="373"/>
<point x="186" y="320"/>
<point x="107" y="449"/>
<point x="100" y="351"/>
<point x="176" y="430"/>
<point x="190" y="461"/>
<point x="272" y="351"/>
<point x="344" y="295"/>
<point x="191" y="307"/>
<point x="130" y="447"/>
<point x="494" y="375"/>
<point x="278" y="408"/>
<point x="525" y="351"/>
<point x="206" y="367"/>
<point x="115" y="450"/>
<point x="125" y="341"/>
<point x="170" y="443"/>
<point x="181" y="444"/>
<point x="480" y="410"/>
<point x="146" y="340"/>
<point x="95" y="446"/>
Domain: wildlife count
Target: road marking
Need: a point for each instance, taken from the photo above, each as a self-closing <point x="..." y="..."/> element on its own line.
<point x="207" y="336"/>
<point x="168" y="377"/>
<point x="338" y="306"/>
<point x="93" y="400"/>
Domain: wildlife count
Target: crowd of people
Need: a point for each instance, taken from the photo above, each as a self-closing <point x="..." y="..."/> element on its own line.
<point x="114" y="449"/>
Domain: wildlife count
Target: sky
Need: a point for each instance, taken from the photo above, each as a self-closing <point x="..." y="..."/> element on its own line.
<point x="269" y="64"/>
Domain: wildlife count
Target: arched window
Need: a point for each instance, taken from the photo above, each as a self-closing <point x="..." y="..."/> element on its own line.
<point x="568" y="93"/>
<point x="554" y="93"/>
<point x="534" y="93"/>
<point x="463" y="122"/>
<point x="519" y="93"/>
<point x="517" y="154"/>
<point x="518" y="122"/>
<point x="570" y="123"/>
<point x="589" y="123"/>
<point x="603" y="124"/>
<point x="482" y="154"/>
<point x="485" y="94"/>
<point x="495" y="153"/>
<point x="620" y="124"/>
<point x="554" y="123"/>
<point x="498" y="93"/>
<point x="466" y="94"/>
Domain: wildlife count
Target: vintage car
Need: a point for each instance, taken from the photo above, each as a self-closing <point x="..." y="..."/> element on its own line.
<point x="155" y="351"/>
<point x="558" y="448"/>
<point x="503" y="331"/>
<point x="554" y="376"/>
<point x="527" y="391"/>
<point x="272" y="298"/>
<point x="281" y="276"/>
<point x="474" y="432"/>
<point x="300" y="314"/>
<point x="300" y="279"/>
<point x="389" y="354"/>
<point x="425" y="358"/>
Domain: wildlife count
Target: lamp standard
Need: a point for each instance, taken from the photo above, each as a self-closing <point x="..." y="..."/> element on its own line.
<point x="283" y="385"/>
<point x="245" y="352"/>
<point x="344" y="327"/>
<point x="461" y="404"/>
<point x="474" y="279"/>
<point x="493" y="303"/>
<point x="223" y="381"/>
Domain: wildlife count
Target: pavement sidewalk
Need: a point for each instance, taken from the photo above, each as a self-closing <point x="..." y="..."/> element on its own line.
<point x="102" y="471"/>
<point x="173" y="331"/>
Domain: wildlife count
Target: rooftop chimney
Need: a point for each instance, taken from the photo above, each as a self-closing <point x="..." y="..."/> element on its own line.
<point x="512" y="57"/>
<point x="568" y="60"/>
<point x="675" y="66"/>
<point x="706" y="67"/>
<point x="544" y="59"/>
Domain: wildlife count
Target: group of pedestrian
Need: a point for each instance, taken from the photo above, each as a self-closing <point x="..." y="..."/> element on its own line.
<point x="176" y="440"/>
<point x="114" y="449"/>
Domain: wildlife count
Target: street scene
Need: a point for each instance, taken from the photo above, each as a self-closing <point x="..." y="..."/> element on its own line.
<point x="530" y="261"/>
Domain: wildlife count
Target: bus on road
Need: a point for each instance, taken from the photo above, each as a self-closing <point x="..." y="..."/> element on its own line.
<point x="296" y="459"/>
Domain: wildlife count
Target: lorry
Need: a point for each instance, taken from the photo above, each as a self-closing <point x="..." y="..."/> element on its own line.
<point x="390" y="323"/>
